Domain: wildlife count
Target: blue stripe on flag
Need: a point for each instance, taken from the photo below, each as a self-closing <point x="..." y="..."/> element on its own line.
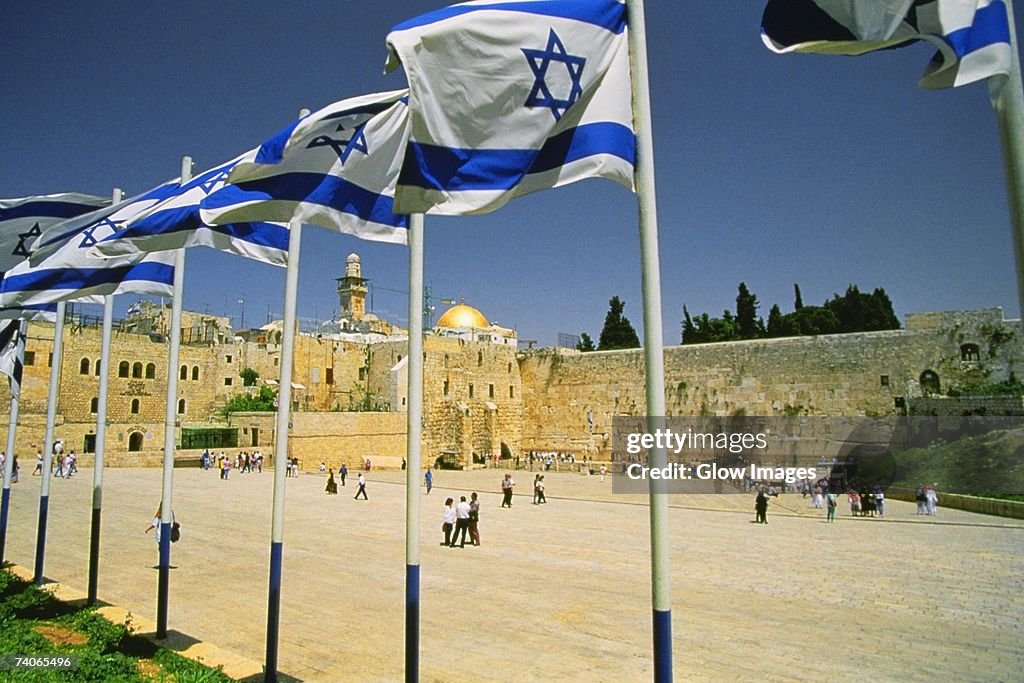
<point x="501" y="169"/>
<point x="312" y="188"/>
<point x="607" y="14"/>
<point x="48" y="209"/>
<point x="990" y="27"/>
<point x="85" y="278"/>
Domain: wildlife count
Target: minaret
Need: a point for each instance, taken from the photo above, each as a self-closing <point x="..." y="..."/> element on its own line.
<point x="352" y="290"/>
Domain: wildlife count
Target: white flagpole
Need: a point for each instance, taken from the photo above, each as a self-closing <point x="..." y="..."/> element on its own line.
<point x="284" y="405"/>
<point x="12" y="427"/>
<point x="414" y="430"/>
<point x="101" y="440"/>
<point x="1009" y="107"/>
<point x="51" y="420"/>
<point x="170" y="416"/>
<point x="661" y="596"/>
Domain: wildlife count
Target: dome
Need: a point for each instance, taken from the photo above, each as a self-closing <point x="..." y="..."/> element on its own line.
<point x="461" y="315"/>
<point x="352" y="258"/>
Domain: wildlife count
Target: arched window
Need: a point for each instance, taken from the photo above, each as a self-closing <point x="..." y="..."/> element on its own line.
<point x="930" y="383"/>
<point x="94" y="405"/>
<point x="150" y="370"/>
<point x="84" y="367"/>
<point x="137" y="371"/>
<point x="195" y="373"/>
<point x="135" y="441"/>
<point x="479" y="358"/>
<point x="181" y="406"/>
<point x="183" y="373"/>
<point x="970" y="352"/>
<point x="123" y="368"/>
<point x="97" y="365"/>
<point x="135" y="406"/>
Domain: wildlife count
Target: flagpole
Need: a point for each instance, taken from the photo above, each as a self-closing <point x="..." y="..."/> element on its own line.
<point x="170" y="415"/>
<point x="1009" y="108"/>
<point x="284" y="404"/>
<point x="12" y="427"/>
<point x="51" y="420"/>
<point x="101" y="443"/>
<point x="661" y="596"/>
<point x="101" y="439"/>
<point x="414" y="428"/>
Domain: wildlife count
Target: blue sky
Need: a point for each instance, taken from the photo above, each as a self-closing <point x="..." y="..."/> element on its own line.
<point x="773" y="170"/>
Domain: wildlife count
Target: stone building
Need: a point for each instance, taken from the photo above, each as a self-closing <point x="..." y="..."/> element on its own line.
<point x="482" y="396"/>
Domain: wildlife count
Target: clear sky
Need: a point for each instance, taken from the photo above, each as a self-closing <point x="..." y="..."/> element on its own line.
<point x="773" y="170"/>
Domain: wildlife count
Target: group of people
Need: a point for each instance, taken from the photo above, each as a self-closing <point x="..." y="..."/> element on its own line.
<point x="461" y="519"/>
<point x="863" y="503"/>
<point x="332" y="485"/>
<point x="244" y="462"/>
<point x="927" y="500"/>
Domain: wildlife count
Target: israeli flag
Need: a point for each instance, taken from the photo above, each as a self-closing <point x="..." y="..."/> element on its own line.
<point x="12" y="354"/>
<point x="23" y="220"/>
<point x="175" y="223"/>
<point x="972" y="36"/>
<point x="336" y="168"/>
<point x="63" y="268"/>
<point x="513" y="97"/>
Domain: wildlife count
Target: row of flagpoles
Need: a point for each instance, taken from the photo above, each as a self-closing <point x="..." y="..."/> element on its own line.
<point x="372" y="166"/>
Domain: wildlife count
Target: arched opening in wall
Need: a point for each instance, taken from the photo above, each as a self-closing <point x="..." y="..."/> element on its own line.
<point x="506" y="452"/>
<point x="181" y="406"/>
<point x="123" y="368"/>
<point x="930" y="383"/>
<point x="97" y="367"/>
<point x="195" y="373"/>
<point x="183" y="373"/>
<point x="135" y="406"/>
<point x="83" y="367"/>
<point x="137" y="371"/>
<point x="135" y="441"/>
<point x="151" y="371"/>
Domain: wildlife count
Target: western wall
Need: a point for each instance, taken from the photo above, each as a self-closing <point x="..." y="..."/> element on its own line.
<point x="482" y="395"/>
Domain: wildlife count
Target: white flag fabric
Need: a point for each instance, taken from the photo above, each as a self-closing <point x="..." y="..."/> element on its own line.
<point x="513" y="97"/>
<point x="335" y="168"/>
<point x="175" y="223"/>
<point x="23" y="220"/>
<point x="63" y="268"/>
<point x="972" y="36"/>
<point x="12" y="354"/>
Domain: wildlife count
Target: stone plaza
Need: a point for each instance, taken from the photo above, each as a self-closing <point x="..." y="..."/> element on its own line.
<point x="558" y="591"/>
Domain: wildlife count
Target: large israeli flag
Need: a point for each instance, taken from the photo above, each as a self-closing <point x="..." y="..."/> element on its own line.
<point x="336" y="168"/>
<point x="23" y="220"/>
<point x="513" y="97"/>
<point x="972" y="36"/>
<point x="63" y="268"/>
<point x="175" y="223"/>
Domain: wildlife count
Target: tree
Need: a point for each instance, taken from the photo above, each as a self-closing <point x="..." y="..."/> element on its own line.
<point x="746" y="314"/>
<point x="249" y="377"/>
<point x="859" y="312"/>
<point x="798" y="301"/>
<point x="689" y="329"/>
<point x="618" y="332"/>
<point x="262" y="401"/>
<point x="585" y="344"/>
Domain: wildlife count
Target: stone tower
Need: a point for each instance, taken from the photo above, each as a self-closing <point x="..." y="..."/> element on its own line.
<point x="352" y="290"/>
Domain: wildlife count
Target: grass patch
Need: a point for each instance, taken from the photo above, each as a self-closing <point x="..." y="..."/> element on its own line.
<point x="33" y="622"/>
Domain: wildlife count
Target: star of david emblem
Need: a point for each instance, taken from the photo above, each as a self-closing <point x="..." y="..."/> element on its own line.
<point x="25" y="239"/>
<point x="540" y="61"/>
<point x="89" y="239"/>
<point x="343" y="148"/>
<point x="216" y="178"/>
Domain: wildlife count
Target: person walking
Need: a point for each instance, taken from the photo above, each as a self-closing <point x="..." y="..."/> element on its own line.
<point x="449" y="520"/>
<point x="461" y="523"/>
<point x="831" y="500"/>
<point x="931" y="500"/>
<point x="39" y="464"/>
<point x="474" y="519"/>
<point x="362" y="487"/>
<point x="536" y="480"/>
<point x="540" y="491"/>
<point x="506" y="489"/>
<point x="879" y="496"/>
<point x="343" y="472"/>
<point x="428" y="479"/>
<point x="332" y="486"/>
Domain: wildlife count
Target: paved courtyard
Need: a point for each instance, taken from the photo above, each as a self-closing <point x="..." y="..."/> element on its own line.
<point x="558" y="591"/>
